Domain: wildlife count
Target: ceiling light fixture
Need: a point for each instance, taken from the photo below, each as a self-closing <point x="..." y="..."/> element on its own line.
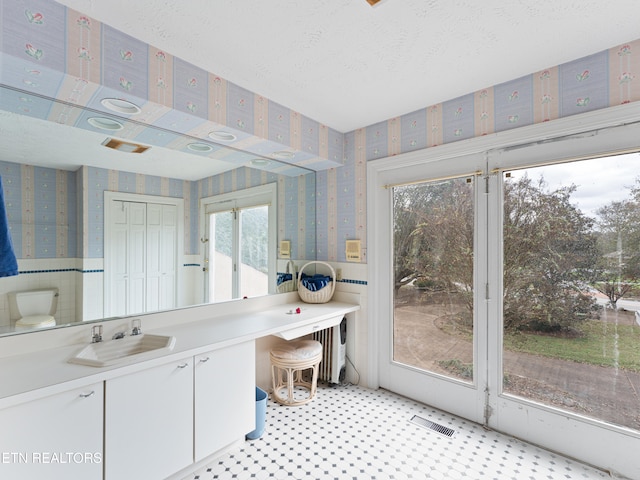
<point x="105" y="123"/>
<point x="260" y="162"/>
<point x="199" y="147"/>
<point x="120" y="106"/>
<point x="123" y="146"/>
<point x="222" y="136"/>
<point x="283" y="155"/>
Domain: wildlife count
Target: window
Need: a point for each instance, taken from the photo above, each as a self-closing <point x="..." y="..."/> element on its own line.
<point x="239" y="254"/>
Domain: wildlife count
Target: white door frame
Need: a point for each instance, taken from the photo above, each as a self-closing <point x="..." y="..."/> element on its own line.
<point x="591" y="134"/>
<point x="440" y="391"/>
<point x="266" y="194"/>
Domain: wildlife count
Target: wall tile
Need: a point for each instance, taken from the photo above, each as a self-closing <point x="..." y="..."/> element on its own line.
<point x="457" y="119"/>
<point x="217" y="99"/>
<point x="190" y="89"/>
<point x="322" y="215"/>
<point x="394" y="134"/>
<point x="514" y="104"/>
<point x="125" y="64"/>
<point x="435" y="128"/>
<point x="377" y="141"/>
<point x="160" y="81"/>
<point x="484" y="111"/>
<point x="240" y="104"/>
<point x="279" y="125"/>
<point x="624" y="68"/>
<point x="84" y="55"/>
<point x="261" y="116"/>
<point x="310" y="136"/>
<point x="34" y="31"/>
<point x="584" y="84"/>
<point x="335" y="146"/>
<point x="413" y="131"/>
<point x="295" y="132"/>
<point x="546" y="93"/>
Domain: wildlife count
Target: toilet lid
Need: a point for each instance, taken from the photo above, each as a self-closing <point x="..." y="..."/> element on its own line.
<point x="36" y="321"/>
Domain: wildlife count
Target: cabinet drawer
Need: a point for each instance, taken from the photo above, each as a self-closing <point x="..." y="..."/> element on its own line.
<point x="308" y="329"/>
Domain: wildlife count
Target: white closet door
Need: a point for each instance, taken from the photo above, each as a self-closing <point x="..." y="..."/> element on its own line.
<point x="143" y="244"/>
<point x="161" y="256"/>
<point x="137" y="246"/>
<point x="118" y="280"/>
<point x="168" y="257"/>
<point x="154" y="269"/>
<point x="127" y="261"/>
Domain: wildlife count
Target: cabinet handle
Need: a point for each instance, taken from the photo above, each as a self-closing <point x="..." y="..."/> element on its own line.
<point x="183" y="365"/>
<point x="204" y="360"/>
<point x="87" y="395"/>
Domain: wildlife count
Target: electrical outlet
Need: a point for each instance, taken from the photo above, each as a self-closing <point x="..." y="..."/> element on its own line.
<point x="338" y="274"/>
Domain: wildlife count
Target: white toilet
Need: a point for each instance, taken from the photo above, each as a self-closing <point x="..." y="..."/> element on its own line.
<point x="33" y="308"/>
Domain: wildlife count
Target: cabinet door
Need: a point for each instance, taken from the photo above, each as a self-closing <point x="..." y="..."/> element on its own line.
<point x="57" y="437"/>
<point x="149" y="422"/>
<point x="224" y="397"/>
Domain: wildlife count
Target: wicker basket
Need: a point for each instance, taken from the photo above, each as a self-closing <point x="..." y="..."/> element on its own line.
<point x="319" y="296"/>
<point x="288" y="285"/>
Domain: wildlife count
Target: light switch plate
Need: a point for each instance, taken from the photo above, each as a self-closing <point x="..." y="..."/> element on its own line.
<point x="353" y="252"/>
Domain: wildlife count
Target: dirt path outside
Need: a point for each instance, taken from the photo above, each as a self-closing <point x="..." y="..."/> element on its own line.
<point x="604" y="393"/>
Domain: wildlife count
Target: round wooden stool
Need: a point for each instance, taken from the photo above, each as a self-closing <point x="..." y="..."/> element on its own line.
<point x="288" y="365"/>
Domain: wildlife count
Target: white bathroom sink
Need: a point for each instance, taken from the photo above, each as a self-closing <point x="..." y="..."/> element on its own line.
<point x="112" y="352"/>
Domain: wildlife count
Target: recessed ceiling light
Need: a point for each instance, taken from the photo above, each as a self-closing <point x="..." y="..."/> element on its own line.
<point x="283" y="155"/>
<point x="120" y="106"/>
<point x="105" y="123"/>
<point x="260" y="162"/>
<point x="123" y="146"/>
<point x="222" y="136"/>
<point x="199" y="147"/>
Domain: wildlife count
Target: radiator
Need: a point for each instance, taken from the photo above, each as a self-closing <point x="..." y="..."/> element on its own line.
<point x="332" y="369"/>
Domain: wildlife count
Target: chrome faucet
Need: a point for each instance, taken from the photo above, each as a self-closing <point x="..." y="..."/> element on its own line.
<point x="137" y="327"/>
<point x="118" y="335"/>
<point x="96" y="334"/>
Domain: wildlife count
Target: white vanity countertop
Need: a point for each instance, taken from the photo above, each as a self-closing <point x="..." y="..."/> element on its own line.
<point x="33" y="375"/>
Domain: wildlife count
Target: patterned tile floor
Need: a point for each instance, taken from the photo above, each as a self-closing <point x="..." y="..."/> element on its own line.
<point x="356" y="433"/>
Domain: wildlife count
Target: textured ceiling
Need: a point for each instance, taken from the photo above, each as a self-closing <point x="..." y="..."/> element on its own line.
<point x="348" y="65"/>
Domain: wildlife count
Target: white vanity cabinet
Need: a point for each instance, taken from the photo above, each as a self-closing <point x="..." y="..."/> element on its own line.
<point x="224" y="397"/>
<point x="149" y="422"/>
<point x="55" y="437"/>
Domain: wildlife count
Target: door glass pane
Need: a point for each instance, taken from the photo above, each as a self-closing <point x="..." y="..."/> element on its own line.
<point x="571" y="287"/>
<point x="433" y="268"/>
<point x="254" y="238"/>
<point x="220" y="256"/>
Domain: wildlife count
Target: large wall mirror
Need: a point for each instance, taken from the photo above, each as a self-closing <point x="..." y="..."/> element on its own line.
<point x="117" y="233"/>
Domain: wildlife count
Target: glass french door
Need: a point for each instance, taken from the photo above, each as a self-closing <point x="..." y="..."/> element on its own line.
<point x="237" y="254"/>
<point x="569" y="287"/>
<point x="532" y="328"/>
<point x="571" y="291"/>
<point x="433" y="336"/>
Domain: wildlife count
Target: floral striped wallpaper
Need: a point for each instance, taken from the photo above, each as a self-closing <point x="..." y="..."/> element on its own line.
<point x="602" y="80"/>
<point x="83" y="61"/>
<point x="60" y="53"/>
<point x="41" y="210"/>
<point x="47" y="219"/>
